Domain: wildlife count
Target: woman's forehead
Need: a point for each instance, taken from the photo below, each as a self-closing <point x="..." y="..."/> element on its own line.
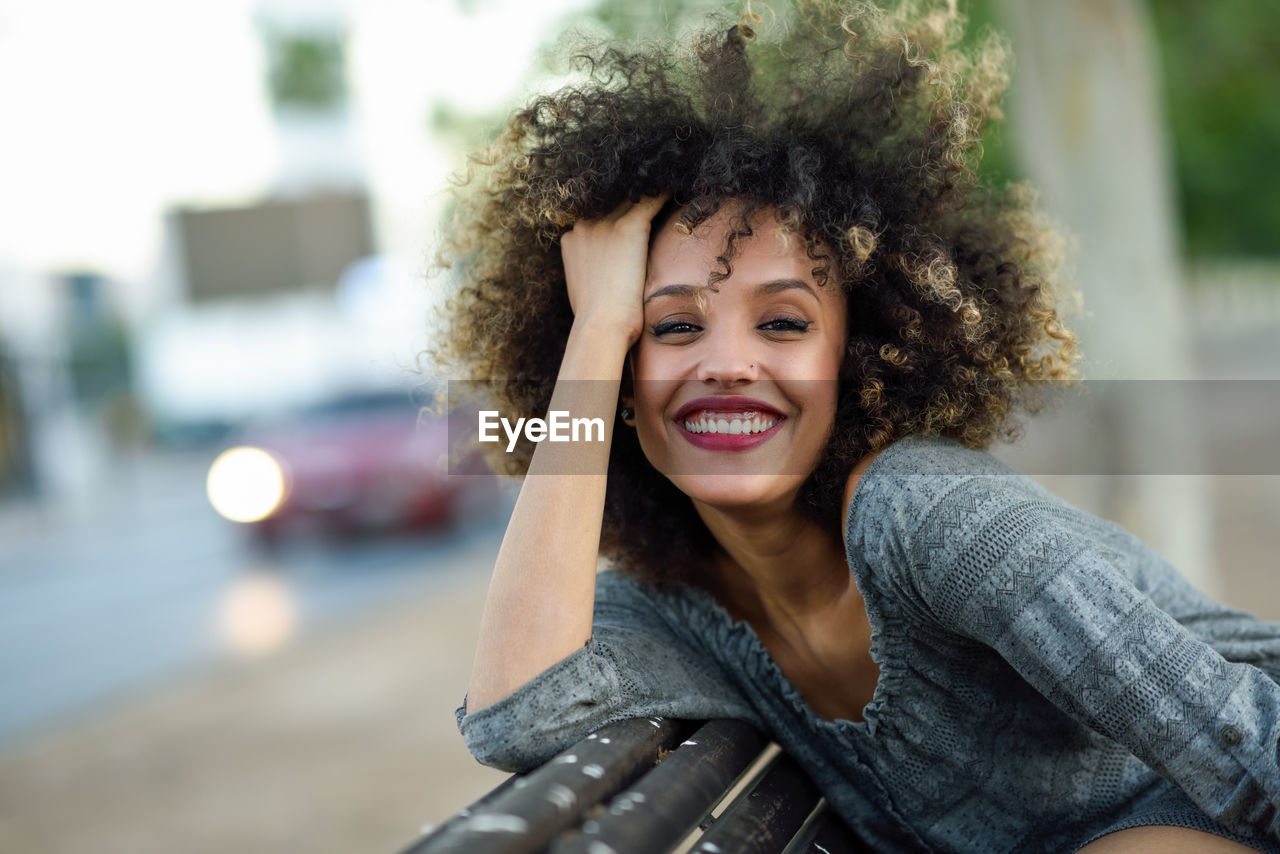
<point x="766" y="247"/>
<point x="769" y="254"/>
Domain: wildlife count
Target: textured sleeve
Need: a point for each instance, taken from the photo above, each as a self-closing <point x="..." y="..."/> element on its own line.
<point x="993" y="559"/>
<point x="633" y="666"/>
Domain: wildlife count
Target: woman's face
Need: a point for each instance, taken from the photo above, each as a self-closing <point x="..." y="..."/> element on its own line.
<point x="735" y="389"/>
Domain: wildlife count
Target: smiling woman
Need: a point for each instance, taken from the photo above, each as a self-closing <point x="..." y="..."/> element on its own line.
<point x="770" y="271"/>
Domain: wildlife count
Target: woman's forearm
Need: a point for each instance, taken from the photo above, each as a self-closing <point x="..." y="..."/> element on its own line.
<point x="541" y="596"/>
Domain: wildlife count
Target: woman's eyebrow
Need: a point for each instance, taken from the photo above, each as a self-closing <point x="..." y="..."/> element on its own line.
<point x="672" y="290"/>
<point x="778" y="285"/>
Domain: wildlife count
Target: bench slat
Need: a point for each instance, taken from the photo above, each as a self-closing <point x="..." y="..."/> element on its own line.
<point x="764" y="819"/>
<point x="669" y="802"/>
<point x="530" y="810"/>
<point x="825" y="833"/>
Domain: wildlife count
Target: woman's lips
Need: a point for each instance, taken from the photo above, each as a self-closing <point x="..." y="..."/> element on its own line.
<point x="728" y="423"/>
<point x="716" y="441"/>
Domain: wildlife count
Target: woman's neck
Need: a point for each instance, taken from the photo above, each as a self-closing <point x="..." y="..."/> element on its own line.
<point x="775" y="566"/>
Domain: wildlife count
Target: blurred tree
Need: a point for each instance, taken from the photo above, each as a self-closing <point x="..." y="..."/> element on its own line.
<point x="1087" y="123"/>
<point x="627" y="19"/>
<point x="465" y="129"/>
<point x="15" y="450"/>
<point x="1221" y="76"/>
<point x="1220" y="70"/>
<point x="307" y="70"/>
<point x="622" y="19"/>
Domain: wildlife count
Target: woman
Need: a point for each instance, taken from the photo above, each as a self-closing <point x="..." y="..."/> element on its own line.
<point x="770" y="270"/>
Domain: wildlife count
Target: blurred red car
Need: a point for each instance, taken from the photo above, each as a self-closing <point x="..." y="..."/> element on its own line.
<point x="362" y="463"/>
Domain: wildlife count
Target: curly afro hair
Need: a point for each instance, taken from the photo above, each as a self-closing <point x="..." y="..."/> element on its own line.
<point x="860" y="129"/>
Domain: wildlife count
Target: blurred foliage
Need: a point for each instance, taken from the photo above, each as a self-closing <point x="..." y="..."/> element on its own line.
<point x="1221" y="71"/>
<point x="307" y="70"/>
<point x="626" y="19"/>
<point x="999" y="164"/>
<point x="465" y="129"/>
<point x="15" y="456"/>
<point x="1221" y="64"/>
<point x="100" y="362"/>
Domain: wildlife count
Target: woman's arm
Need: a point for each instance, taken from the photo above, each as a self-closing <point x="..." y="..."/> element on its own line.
<point x="539" y="605"/>
<point x="1005" y="566"/>
<point x="635" y="665"/>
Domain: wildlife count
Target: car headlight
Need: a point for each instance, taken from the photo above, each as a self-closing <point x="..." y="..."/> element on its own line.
<point x="246" y="484"/>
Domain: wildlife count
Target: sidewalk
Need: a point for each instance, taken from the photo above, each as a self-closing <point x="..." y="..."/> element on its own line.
<point x="344" y="742"/>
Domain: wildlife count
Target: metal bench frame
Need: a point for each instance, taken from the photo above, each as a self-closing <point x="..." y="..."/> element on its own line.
<point x="652" y="785"/>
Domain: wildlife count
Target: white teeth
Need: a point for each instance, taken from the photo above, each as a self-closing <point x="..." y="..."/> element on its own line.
<point x="751" y="423"/>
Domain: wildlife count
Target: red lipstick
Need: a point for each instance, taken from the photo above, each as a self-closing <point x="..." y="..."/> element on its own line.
<point x="728" y="423"/>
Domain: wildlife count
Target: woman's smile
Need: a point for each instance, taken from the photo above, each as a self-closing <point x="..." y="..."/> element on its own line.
<point x="728" y="423"/>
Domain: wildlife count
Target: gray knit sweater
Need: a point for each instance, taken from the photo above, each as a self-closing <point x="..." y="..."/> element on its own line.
<point x="1045" y="678"/>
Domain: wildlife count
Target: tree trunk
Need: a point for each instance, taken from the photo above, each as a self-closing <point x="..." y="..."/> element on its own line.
<point x="1087" y="126"/>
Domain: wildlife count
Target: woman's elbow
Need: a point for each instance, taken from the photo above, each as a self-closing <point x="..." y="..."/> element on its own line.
<point x="544" y="716"/>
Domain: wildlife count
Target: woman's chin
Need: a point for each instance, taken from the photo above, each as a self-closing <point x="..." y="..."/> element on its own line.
<point x="729" y="491"/>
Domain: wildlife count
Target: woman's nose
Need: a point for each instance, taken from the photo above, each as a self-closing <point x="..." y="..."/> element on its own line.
<point x="727" y="360"/>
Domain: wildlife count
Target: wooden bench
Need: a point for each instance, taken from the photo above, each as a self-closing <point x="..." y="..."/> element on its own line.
<point x="652" y="785"/>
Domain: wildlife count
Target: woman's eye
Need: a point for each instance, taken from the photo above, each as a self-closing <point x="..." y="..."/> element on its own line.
<point x="674" y="327"/>
<point x="786" y="324"/>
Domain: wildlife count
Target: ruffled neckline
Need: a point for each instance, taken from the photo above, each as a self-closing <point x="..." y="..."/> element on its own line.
<point x="739" y="648"/>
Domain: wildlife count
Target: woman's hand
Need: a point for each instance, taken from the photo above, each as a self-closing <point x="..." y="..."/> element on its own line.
<point x="604" y="266"/>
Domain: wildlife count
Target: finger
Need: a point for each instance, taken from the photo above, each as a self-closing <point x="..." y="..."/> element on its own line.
<point x="646" y="209"/>
<point x="619" y="212"/>
<point x="648" y="206"/>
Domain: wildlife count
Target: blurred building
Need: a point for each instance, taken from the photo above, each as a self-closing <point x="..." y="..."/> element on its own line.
<point x="278" y="246"/>
<point x="254" y="322"/>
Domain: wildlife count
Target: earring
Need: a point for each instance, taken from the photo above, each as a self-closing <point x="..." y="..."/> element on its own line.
<point x="628" y="413"/>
